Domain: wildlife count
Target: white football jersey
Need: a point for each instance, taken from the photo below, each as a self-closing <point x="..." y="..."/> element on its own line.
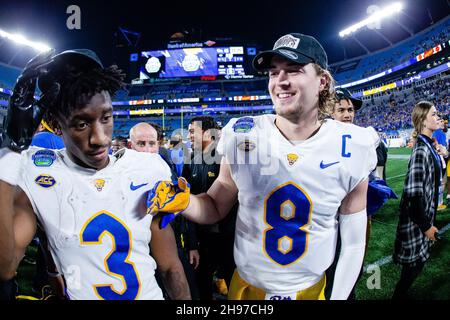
<point x="96" y="222"/>
<point x="289" y="195"/>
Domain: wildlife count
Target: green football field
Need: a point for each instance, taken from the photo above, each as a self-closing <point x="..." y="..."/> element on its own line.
<point x="379" y="282"/>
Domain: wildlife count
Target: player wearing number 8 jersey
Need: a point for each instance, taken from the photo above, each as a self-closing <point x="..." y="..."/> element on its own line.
<point x="90" y="205"/>
<point x="291" y="172"/>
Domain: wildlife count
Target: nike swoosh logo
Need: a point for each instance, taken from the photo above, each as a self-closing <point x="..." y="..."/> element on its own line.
<point x="133" y="187"/>
<point x="326" y="165"/>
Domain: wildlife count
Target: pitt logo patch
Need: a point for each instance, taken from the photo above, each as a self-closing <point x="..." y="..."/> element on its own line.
<point x="99" y="184"/>
<point x="45" y="181"/>
<point x="292" y="158"/>
<point x="211" y="174"/>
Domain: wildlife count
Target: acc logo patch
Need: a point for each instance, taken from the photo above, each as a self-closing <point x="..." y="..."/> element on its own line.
<point x="292" y="158"/>
<point x="243" y="125"/>
<point x="45" y="180"/>
<point x="44" y="158"/>
<point x="99" y="184"/>
<point x="246" y="145"/>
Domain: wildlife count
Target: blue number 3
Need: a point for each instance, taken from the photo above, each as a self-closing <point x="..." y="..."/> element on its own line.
<point x="287" y="212"/>
<point x="116" y="262"/>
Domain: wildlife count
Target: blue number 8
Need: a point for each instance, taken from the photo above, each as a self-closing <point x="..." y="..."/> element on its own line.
<point x="287" y="212"/>
<point x="116" y="262"/>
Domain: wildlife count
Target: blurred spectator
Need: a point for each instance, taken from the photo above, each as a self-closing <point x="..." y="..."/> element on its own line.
<point x="119" y="142"/>
<point x="418" y="206"/>
<point x="144" y="138"/>
<point x="215" y="241"/>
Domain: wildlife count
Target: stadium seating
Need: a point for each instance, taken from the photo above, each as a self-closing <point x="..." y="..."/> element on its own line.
<point x="399" y="53"/>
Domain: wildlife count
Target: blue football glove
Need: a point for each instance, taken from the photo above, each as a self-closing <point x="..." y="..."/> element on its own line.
<point x="171" y="198"/>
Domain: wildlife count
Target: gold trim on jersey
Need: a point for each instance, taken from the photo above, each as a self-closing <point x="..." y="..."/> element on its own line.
<point x="283" y="216"/>
<point x="121" y="277"/>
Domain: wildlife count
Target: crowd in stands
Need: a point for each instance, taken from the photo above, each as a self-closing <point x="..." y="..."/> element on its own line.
<point x="376" y="63"/>
<point x="392" y="110"/>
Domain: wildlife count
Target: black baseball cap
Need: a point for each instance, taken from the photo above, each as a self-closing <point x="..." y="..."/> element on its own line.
<point x="76" y="59"/>
<point x="296" y="47"/>
<point x="342" y="93"/>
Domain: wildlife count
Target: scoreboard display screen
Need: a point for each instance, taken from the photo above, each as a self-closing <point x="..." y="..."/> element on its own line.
<point x="192" y="62"/>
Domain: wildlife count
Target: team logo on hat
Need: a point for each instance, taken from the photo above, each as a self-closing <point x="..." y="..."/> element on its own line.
<point x="287" y="41"/>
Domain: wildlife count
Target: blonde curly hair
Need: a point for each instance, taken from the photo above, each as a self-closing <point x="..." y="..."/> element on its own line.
<point x="327" y="98"/>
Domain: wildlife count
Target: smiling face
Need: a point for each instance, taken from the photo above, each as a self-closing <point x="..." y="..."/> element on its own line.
<point x="294" y="88"/>
<point x="87" y="133"/>
<point x="196" y="135"/>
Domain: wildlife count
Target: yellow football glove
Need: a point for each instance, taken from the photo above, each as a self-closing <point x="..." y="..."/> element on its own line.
<point x="168" y="197"/>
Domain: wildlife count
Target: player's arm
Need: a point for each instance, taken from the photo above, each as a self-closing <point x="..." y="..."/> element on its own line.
<point x="352" y="226"/>
<point x="216" y="203"/>
<point x="164" y="251"/>
<point x="17" y="228"/>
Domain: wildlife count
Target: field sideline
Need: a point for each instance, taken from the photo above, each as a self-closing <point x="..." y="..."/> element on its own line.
<point x="433" y="283"/>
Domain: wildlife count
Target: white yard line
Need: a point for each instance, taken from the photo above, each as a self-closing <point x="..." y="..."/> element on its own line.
<point x="397" y="176"/>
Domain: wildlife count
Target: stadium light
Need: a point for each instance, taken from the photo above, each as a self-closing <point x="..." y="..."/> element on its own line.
<point x="18" y="38"/>
<point x="377" y="16"/>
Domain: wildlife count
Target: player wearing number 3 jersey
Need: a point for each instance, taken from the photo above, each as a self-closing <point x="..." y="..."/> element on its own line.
<point x="296" y="176"/>
<point x="92" y="206"/>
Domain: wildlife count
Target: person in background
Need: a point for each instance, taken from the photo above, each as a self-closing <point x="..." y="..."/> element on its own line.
<point x="145" y="139"/>
<point x="119" y="142"/>
<point x="216" y="240"/>
<point x="439" y="137"/>
<point x="344" y="111"/>
<point x="179" y="152"/>
<point x="416" y="231"/>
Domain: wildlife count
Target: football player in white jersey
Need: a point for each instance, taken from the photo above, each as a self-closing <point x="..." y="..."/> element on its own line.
<point x="291" y="172"/>
<point x="91" y="205"/>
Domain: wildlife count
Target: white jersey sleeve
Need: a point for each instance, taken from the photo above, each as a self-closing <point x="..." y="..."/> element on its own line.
<point x="10" y="166"/>
<point x="359" y="149"/>
<point x="226" y="141"/>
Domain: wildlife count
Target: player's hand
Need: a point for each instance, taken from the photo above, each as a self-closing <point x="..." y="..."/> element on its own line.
<point x="24" y="112"/>
<point x="441" y="150"/>
<point x="194" y="258"/>
<point x="430" y="233"/>
<point x="168" y="197"/>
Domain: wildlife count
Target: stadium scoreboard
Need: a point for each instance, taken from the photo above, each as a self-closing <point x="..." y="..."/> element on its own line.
<point x="217" y="62"/>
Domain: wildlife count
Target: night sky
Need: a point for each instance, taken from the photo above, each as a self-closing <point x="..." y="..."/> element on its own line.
<point x="260" y="22"/>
